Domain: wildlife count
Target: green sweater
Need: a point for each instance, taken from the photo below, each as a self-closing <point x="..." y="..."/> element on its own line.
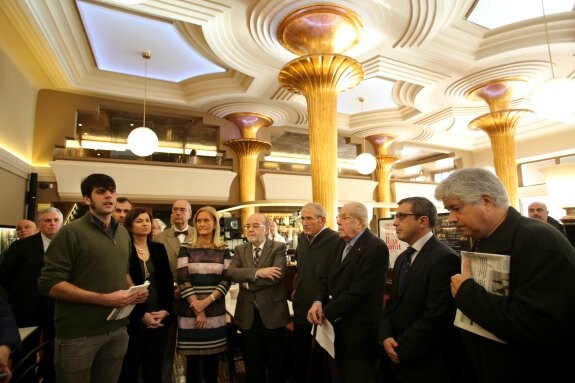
<point x="83" y="254"/>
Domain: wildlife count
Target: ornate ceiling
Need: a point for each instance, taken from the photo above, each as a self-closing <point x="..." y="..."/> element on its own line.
<point x="420" y="58"/>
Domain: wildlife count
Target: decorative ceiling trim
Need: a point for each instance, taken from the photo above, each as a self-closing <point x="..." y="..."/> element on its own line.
<point x="429" y="17"/>
<point x="278" y="115"/>
<point x="525" y="70"/>
<point x="394" y="69"/>
<point x="529" y="33"/>
<point x="404" y="93"/>
<point x="198" y="12"/>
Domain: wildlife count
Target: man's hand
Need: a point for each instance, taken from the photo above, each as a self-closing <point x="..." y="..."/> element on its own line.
<point x="389" y="344"/>
<point x="122" y="298"/>
<point x="315" y="313"/>
<point x="5" y="352"/>
<point x="458" y="279"/>
<point x="272" y="273"/>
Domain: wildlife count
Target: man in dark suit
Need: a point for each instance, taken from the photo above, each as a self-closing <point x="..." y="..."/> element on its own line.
<point x="262" y="311"/>
<point x="417" y="330"/>
<point x="172" y="239"/>
<point x="314" y="246"/>
<point x="19" y="275"/>
<point x="350" y="296"/>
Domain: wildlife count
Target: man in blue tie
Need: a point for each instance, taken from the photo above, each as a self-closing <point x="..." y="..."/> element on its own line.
<point x="417" y="328"/>
<point x="350" y="296"/>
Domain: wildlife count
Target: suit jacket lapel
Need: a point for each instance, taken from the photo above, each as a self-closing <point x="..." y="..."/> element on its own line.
<point x="173" y="241"/>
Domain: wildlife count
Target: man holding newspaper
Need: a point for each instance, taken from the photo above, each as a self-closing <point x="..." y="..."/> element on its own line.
<point x="516" y="291"/>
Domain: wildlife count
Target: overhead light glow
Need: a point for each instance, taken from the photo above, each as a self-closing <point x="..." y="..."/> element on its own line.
<point x="111" y="30"/>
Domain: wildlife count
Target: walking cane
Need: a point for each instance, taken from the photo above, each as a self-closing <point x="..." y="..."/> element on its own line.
<point x="312" y="348"/>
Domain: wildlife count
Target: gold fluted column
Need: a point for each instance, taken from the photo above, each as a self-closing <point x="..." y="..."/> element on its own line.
<point x="384" y="161"/>
<point x="248" y="149"/>
<point x="500" y="125"/>
<point x="315" y="33"/>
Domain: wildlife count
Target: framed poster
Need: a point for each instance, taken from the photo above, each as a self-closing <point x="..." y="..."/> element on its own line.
<point x="386" y="231"/>
<point x="447" y="233"/>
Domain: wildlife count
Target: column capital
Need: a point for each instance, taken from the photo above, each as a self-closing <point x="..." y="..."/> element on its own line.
<point x="381" y="142"/>
<point x="249" y="123"/>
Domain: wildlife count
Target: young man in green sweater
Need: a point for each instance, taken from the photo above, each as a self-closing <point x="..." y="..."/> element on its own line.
<point x="85" y="272"/>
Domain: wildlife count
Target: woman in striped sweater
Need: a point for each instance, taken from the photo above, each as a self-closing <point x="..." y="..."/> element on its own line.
<point x="202" y="313"/>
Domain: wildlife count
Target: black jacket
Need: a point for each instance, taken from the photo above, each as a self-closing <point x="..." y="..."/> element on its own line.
<point x="311" y="261"/>
<point x="536" y="319"/>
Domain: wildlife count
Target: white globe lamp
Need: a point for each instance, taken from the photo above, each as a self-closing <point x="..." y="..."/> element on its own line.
<point x="142" y="141"/>
<point x="365" y="163"/>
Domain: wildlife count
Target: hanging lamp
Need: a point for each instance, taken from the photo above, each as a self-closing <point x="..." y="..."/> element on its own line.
<point x="143" y="141"/>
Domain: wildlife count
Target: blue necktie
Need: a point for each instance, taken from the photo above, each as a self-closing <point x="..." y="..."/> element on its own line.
<point x="345" y="251"/>
<point x="405" y="266"/>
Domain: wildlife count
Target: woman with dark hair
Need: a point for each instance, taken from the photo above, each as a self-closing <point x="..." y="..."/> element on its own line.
<point x="147" y="329"/>
<point x="202" y="313"/>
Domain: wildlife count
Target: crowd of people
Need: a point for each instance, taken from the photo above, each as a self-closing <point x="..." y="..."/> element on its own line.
<point x="66" y="280"/>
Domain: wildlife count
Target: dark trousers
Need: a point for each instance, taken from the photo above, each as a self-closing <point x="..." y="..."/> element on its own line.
<point x="170" y="352"/>
<point x="303" y="357"/>
<point x="264" y="348"/>
<point x="355" y="370"/>
<point x="146" y="349"/>
<point x="205" y="366"/>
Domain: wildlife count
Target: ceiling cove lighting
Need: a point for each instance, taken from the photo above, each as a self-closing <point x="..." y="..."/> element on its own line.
<point x="553" y="100"/>
<point x="110" y="30"/>
<point x="143" y="141"/>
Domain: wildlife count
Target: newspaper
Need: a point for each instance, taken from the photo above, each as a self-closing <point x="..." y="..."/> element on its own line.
<point x="492" y="272"/>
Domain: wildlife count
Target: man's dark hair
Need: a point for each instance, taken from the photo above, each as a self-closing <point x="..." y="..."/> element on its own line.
<point x="96" y="180"/>
<point x="421" y="206"/>
<point x="123" y="199"/>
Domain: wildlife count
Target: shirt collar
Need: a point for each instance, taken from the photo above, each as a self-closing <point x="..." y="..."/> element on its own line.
<point x="354" y="239"/>
<point x="418" y="245"/>
<point x="45" y="241"/>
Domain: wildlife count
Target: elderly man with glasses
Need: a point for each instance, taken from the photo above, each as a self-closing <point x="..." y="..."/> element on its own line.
<point x="262" y="311"/>
<point x="350" y="296"/>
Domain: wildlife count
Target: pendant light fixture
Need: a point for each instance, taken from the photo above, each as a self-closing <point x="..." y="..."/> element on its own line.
<point x="553" y="100"/>
<point x="143" y="141"/>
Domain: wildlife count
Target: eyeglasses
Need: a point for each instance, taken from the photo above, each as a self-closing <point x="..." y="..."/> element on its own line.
<point x="255" y="226"/>
<point x="401" y="216"/>
<point x="308" y="219"/>
<point x="344" y="217"/>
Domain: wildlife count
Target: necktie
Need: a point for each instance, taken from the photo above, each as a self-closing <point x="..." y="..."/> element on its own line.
<point x="405" y="266"/>
<point x="185" y="232"/>
<point x="257" y="251"/>
<point x="345" y="251"/>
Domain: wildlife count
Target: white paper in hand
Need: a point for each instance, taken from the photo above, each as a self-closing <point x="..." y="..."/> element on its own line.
<point x="325" y="337"/>
<point x="122" y="312"/>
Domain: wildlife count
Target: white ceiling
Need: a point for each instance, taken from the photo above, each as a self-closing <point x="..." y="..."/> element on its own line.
<point x="419" y="58"/>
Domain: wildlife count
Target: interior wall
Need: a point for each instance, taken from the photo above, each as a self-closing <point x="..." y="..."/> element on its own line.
<point x="13" y="196"/>
<point x="56" y="119"/>
<point x="17" y="110"/>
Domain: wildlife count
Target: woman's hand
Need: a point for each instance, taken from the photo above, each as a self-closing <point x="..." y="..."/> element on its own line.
<point x="200" y="305"/>
<point x="152" y="320"/>
<point x="201" y="320"/>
